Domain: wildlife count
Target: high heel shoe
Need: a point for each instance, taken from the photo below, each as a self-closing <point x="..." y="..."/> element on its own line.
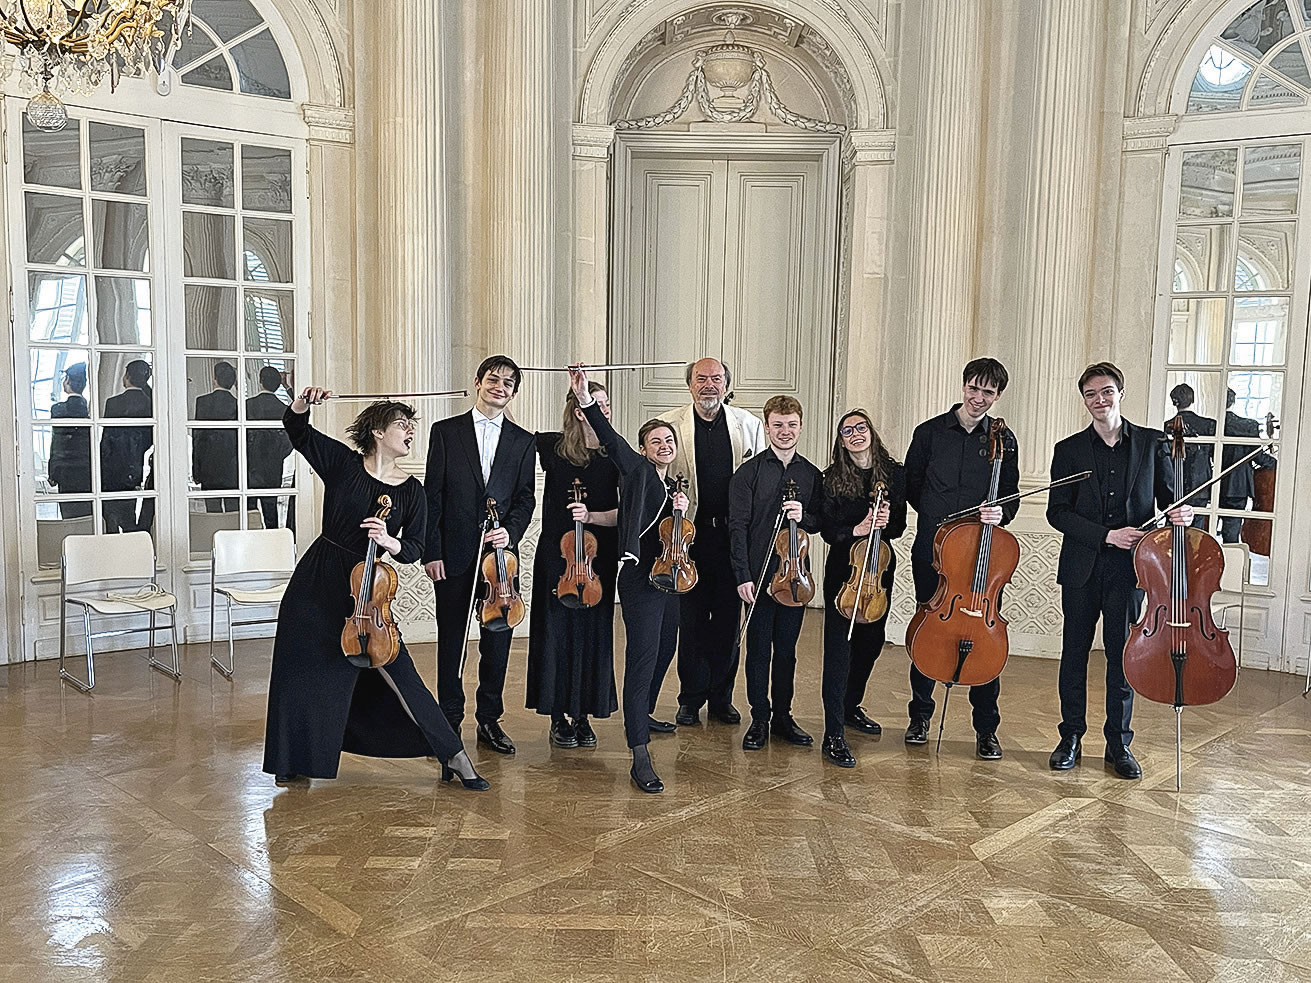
<point x="475" y="784"/>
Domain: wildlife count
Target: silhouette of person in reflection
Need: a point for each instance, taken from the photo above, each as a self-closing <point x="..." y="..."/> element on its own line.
<point x="123" y="451"/>
<point x="1239" y="486"/>
<point x="1198" y="458"/>
<point x="214" y="452"/>
<point x="267" y="449"/>
<point x="69" y="469"/>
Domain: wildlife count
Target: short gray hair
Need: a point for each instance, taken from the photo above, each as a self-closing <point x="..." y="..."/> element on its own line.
<point x="728" y="373"/>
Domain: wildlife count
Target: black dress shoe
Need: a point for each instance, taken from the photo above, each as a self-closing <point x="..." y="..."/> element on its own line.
<point x="987" y="747"/>
<point x="787" y="729"/>
<point x="862" y="723"/>
<point x="660" y="726"/>
<point x="756" y="737"/>
<point x="1067" y="753"/>
<point x="1124" y="763"/>
<point x="288" y="779"/>
<point x="583" y="730"/>
<point x="475" y="784"/>
<point x="918" y="731"/>
<point x="495" y="738"/>
<point x="687" y="716"/>
<point x="725" y="714"/>
<point x="651" y="786"/>
<point x="836" y="750"/>
<point x="562" y="734"/>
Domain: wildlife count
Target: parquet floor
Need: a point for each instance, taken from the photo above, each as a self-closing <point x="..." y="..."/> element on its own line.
<point x="141" y="842"/>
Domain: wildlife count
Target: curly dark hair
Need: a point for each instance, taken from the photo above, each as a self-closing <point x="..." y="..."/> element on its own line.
<point x="843" y="479"/>
<point x="377" y="416"/>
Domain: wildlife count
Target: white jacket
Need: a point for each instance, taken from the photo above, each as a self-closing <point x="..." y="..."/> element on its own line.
<point x="745" y="432"/>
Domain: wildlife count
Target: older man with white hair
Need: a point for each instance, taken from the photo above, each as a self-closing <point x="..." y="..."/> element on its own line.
<point x="713" y="439"/>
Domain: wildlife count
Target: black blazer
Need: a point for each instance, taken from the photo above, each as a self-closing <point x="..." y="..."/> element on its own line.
<point x="1197" y="462"/>
<point x="70" y="447"/>
<point x="1240" y="484"/>
<point x="457" y="496"/>
<point x="266" y="449"/>
<point x="123" y="449"/>
<point x="1076" y="510"/>
<point x="214" y="452"/>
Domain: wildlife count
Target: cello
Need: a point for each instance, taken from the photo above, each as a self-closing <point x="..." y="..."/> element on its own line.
<point x="959" y="636"/>
<point x="863" y="599"/>
<point x="370" y="637"/>
<point x="792" y="584"/>
<point x="502" y="607"/>
<point x="1256" y="532"/>
<point x="673" y="571"/>
<point x="1175" y="654"/>
<point x="579" y="586"/>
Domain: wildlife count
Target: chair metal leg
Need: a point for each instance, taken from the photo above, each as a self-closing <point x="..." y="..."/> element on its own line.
<point x="231" y="667"/>
<point x="64" y="674"/>
<point x="211" y="627"/>
<point x="174" y="671"/>
<point x="1242" y="621"/>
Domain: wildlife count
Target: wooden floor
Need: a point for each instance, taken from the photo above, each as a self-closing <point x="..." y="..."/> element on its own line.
<point x="141" y="842"/>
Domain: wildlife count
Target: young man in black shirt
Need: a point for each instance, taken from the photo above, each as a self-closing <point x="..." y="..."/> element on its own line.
<point x="755" y="497"/>
<point x="948" y="468"/>
<point x="1132" y="474"/>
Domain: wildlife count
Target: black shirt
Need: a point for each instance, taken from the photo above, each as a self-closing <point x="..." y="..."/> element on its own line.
<point x="714" y="468"/>
<point x="948" y="469"/>
<point x="755" y="494"/>
<point x="1111" y="466"/>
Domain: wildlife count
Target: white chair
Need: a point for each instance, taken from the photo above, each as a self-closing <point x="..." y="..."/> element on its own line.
<point x="1233" y="584"/>
<point x="114" y="557"/>
<point x="247" y="551"/>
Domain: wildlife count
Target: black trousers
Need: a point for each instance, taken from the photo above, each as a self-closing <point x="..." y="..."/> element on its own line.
<point x="1231" y="526"/>
<point x="1112" y="595"/>
<point x="268" y="506"/>
<point x="983" y="699"/>
<point x="847" y="664"/>
<point x="651" y="630"/>
<point x="772" y="657"/>
<point x="708" y="619"/>
<point x="493" y="655"/>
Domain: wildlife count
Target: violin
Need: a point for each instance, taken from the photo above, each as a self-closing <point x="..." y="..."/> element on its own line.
<point x="370" y="637"/>
<point x="792" y="585"/>
<point x="501" y="607"/>
<point x="579" y="586"/>
<point x="673" y="571"/>
<point x="863" y="599"/>
<point x="959" y="636"/>
<point x="1256" y="532"/>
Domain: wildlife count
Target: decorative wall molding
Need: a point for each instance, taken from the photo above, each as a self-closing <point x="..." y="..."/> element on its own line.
<point x="329" y="124"/>
<point x="869" y="147"/>
<point x="1148" y="134"/>
<point x="592" y="140"/>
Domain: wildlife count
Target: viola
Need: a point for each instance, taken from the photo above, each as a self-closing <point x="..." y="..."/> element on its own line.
<point x="1175" y="654"/>
<point x="959" y="635"/>
<point x="673" y="571"/>
<point x="579" y="586"/>
<point x="863" y="599"/>
<point x="792" y="584"/>
<point x="370" y="637"/>
<point x="1256" y="532"/>
<point x="501" y="607"/>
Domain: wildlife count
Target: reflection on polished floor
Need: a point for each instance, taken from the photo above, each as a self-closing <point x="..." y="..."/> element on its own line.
<point x="141" y="842"/>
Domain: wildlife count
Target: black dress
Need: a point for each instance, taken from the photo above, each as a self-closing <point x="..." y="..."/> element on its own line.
<point x="571" y="658"/>
<point x="320" y="704"/>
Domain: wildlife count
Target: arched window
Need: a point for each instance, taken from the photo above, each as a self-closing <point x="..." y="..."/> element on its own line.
<point x="1259" y="61"/>
<point x="231" y="48"/>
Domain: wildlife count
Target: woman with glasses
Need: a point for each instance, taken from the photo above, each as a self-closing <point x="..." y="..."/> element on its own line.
<point x="860" y="461"/>
<point x="319" y="703"/>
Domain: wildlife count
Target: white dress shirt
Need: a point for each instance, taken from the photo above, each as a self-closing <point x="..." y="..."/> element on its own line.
<point x="488" y="432"/>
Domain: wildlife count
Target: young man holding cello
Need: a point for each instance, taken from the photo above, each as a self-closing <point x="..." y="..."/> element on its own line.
<point x="1100" y="521"/>
<point x="947" y="470"/>
<point x="472" y="457"/>
<point x="765" y="495"/>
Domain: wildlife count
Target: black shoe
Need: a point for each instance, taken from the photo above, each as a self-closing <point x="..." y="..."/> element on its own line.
<point x="287" y="779"/>
<point x="756" y="737"/>
<point x="786" y="728"/>
<point x="1125" y="764"/>
<point x="1067" y="753"/>
<point x="987" y="747"/>
<point x="562" y="733"/>
<point x="687" y="716"/>
<point x="660" y="726"/>
<point x="726" y="714"/>
<point x="652" y="786"/>
<point x="475" y="784"/>
<point x="836" y="750"/>
<point x="862" y="723"/>
<point x="583" y="730"/>
<point x="495" y="738"/>
<point x="918" y="731"/>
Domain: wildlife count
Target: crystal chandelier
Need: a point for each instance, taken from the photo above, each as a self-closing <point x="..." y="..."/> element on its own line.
<point x="76" y="44"/>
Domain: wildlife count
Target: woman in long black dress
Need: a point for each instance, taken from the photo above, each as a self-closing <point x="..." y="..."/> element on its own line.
<point x="859" y="461"/>
<point x="320" y="704"/>
<point x="650" y="615"/>
<point x="571" y="659"/>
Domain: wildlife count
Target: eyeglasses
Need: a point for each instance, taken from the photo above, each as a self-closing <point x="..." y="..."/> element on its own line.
<point x="407" y="425"/>
<point x="854" y="428"/>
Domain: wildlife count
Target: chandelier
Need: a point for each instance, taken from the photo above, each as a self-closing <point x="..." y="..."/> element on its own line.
<point x="75" y="45"/>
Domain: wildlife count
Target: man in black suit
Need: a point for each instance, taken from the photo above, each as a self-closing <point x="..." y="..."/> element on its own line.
<point x="473" y="457"/>
<point x="1198" y="457"/>
<point x="69" y="469"/>
<point x="123" y="451"/>
<point x="267" y="449"/>
<point x="1099" y="520"/>
<point x="214" y="452"/>
<point x="1238" y="487"/>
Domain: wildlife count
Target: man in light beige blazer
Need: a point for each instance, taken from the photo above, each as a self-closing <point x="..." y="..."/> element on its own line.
<point x="713" y="440"/>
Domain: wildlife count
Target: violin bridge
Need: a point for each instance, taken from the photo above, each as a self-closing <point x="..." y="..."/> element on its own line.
<point x="972" y="612"/>
<point x="1179" y="624"/>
